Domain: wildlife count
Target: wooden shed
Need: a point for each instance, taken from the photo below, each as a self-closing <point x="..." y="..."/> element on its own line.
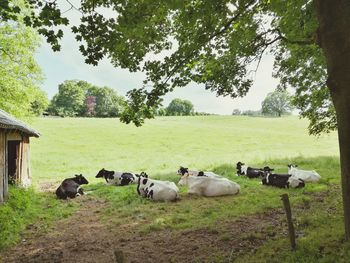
<point x="14" y="153"/>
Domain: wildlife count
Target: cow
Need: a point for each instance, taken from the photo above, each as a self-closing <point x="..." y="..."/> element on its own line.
<point x="306" y="175"/>
<point x="282" y="180"/>
<point x="183" y="171"/>
<point x="70" y="187"/>
<point x="156" y="189"/>
<point x="117" y="178"/>
<point x="251" y="172"/>
<point x="209" y="186"/>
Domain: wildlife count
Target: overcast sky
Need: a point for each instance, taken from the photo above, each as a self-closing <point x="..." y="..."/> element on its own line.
<point x="69" y="64"/>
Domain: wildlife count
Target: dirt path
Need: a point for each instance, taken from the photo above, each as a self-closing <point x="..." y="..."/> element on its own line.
<point x="79" y="238"/>
<point x="83" y="238"/>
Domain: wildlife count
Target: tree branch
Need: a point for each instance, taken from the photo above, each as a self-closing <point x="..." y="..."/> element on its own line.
<point x="220" y="32"/>
<point x="297" y="42"/>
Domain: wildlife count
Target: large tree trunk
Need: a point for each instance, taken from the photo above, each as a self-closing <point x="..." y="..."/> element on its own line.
<point x="334" y="39"/>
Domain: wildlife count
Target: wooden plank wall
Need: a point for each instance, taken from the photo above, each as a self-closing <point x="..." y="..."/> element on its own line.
<point x="2" y="166"/>
<point x="26" y="177"/>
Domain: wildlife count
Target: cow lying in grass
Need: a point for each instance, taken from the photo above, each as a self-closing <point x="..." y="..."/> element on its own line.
<point x="251" y="172"/>
<point x="184" y="171"/>
<point x="70" y="187"/>
<point x="306" y="175"/>
<point x="209" y="186"/>
<point x="117" y="178"/>
<point x="282" y="180"/>
<point x="156" y="189"/>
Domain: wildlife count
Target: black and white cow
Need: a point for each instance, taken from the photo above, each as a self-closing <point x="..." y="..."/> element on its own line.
<point x="282" y="180"/>
<point x="185" y="171"/>
<point x="156" y="189"/>
<point x="117" y="178"/>
<point x="70" y="187"/>
<point x="251" y="172"/>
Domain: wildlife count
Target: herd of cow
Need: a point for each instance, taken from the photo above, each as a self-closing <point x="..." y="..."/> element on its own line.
<point x="199" y="182"/>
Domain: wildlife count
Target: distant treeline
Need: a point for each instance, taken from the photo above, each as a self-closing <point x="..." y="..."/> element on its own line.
<point x="78" y="98"/>
<point x="276" y="103"/>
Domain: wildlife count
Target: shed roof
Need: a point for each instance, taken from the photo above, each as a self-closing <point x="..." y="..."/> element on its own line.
<point x="9" y="122"/>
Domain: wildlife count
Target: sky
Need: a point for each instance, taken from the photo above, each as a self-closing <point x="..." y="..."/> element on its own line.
<point x="69" y="64"/>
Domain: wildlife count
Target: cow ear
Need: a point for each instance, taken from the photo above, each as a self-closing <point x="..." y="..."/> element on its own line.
<point x="76" y="175"/>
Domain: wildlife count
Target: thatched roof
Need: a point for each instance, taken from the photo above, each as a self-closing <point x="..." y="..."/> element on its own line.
<point x="9" y="122"/>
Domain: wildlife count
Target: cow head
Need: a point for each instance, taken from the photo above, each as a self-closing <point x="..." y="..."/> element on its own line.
<point x="142" y="180"/>
<point x="105" y="174"/>
<point x="183" y="180"/>
<point x="268" y="169"/>
<point x="265" y="177"/>
<point x="239" y="168"/>
<point x="80" y="179"/>
<point x="201" y="173"/>
<point x="292" y="165"/>
<point x="182" y="171"/>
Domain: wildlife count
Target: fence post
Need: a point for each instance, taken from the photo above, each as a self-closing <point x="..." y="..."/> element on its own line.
<point x="286" y="204"/>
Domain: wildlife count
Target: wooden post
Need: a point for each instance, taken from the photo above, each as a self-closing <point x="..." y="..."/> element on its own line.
<point x="119" y="256"/>
<point x="286" y="204"/>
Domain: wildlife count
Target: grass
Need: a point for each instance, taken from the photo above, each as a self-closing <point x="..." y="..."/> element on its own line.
<point x="193" y="212"/>
<point x="216" y="143"/>
<point x="27" y="208"/>
<point x="83" y="145"/>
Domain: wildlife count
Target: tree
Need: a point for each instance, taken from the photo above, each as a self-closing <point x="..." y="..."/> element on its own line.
<point x="308" y="39"/>
<point x="276" y="103"/>
<point x="180" y="107"/>
<point x="236" y="112"/>
<point x="80" y="98"/>
<point x="70" y="99"/>
<point x="20" y="74"/>
<point x="108" y="103"/>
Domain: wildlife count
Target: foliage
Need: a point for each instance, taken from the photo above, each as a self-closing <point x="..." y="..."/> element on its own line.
<point x="178" y="107"/>
<point x="217" y="51"/>
<point x="28" y="208"/>
<point x="73" y="97"/>
<point x="251" y="113"/>
<point x="276" y="103"/>
<point x="70" y="99"/>
<point x="20" y="74"/>
<point x="160" y="111"/>
<point x="108" y="103"/>
<point x="236" y="112"/>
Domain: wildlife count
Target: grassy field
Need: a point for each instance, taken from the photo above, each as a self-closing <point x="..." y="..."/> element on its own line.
<point x="83" y="145"/>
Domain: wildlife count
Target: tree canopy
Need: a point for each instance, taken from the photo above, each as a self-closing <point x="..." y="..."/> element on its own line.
<point x="20" y="74"/>
<point x="180" y="107"/>
<point x="215" y="50"/>
<point x="276" y="103"/>
<point x="80" y="98"/>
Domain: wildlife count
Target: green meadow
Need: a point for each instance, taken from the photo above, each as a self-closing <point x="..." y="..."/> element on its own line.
<point x="82" y="145"/>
